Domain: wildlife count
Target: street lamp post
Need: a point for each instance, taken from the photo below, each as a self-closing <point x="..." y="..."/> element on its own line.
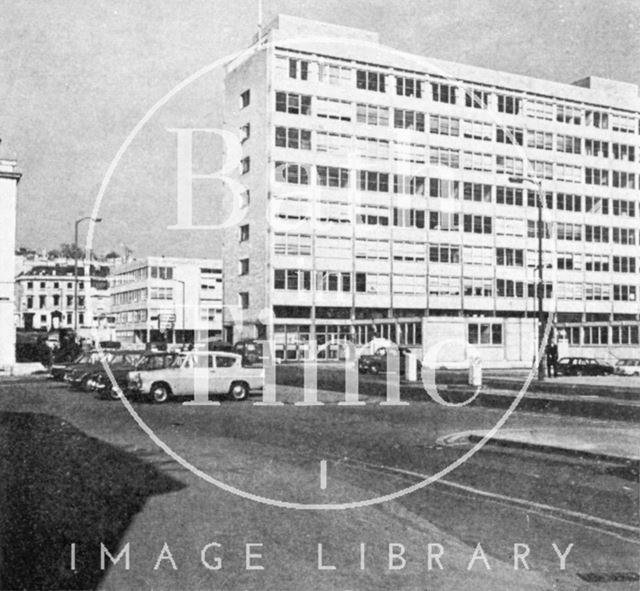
<point x="540" y="287"/>
<point x="75" y="269"/>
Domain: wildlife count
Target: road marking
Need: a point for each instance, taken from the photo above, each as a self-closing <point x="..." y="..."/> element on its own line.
<point x="517" y="501"/>
<point x="323" y="474"/>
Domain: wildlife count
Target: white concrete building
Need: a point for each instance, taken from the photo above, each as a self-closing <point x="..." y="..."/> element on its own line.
<point x="9" y="178"/>
<point x="45" y="298"/>
<point x="384" y="188"/>
<point x="167" y="299"/>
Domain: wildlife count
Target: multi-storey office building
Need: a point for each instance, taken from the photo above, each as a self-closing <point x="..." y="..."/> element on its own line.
<point x="45" y="296"/>
<point x="166" y="298"/>
<point x="385" y="192"/>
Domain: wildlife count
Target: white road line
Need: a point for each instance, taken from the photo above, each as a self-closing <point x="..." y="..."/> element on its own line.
<point x="323" y="474"/>
<point x="513" y="500"/>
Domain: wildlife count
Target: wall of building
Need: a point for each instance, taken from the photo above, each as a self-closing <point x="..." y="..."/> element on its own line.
<point x="9" y="178"/>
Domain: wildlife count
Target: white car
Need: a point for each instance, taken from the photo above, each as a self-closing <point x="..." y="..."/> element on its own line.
<point x="628" y="367"/>
<point x="222" y="374"/>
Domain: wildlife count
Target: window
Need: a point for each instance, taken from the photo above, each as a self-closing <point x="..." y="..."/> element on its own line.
<point x="568" y="261"/>
<point x="624" y="235"/>
<point x="68" y="298"/>
<point x="408" y="218"/>
<point x="367" y="248"/>
<point x="405" y="119"/>
<point x="368" y="80"/>
<point x="373" y="181"/>
<point x="506" y="288"/>
<point x="243" y="297"/>
<point x="595" y="335"/>
<point x="568" y="114"/>
<point x="596" y="233"/>
<point x="444" y="221"/>
<point x="477" y="130"/>
<point x="568" y="202"/>
<point x="509" y="165"/>
<point x="297" y="174"/>
<point x="477" y="224"/>
<point x="568" y="144"/>
<point x="566" y="231"/>
<point x="372" y="215"/>
<point x="509" y="104"/>
<point x="443" y="93"/>
<point x="371" y="147"/>
<point x="244" y="233"/>
<point x="622" y="264"/>
<point x="476" y="99"/>
<point x="296" y="104"/>
<point x="623" y="123"/>
<point x="245" y="164"/>
<point x="532" y="229"/>
<point x="409" y="152"/>
<point x="477" y="161"/>
<point x="372" y="114"/>
<point x="538" y="109"/>
<point x="404" y="250"/>
<point x="442" y="125"/>
<point x="477" y="192"/>
<point x="332" y="176"/>
<point x="334" y="74"/>
<point x="444" y="157"/>
<point x="298" y="69"/>
<point x="623" y="180"/>
<point x="292" y="137"/>
<point x="542" y="169"/>
<point x="479" y="255"/>
<point x="245" y="198"/>
<point x="245" y="99"/>
<point x="509" y="196"/>
<point x="596" y="148"/>
<point x="509" y="257"/>
<point x="569" y="173"/>
<point x="443" y="188"/>
<point x="409" y="185"/>
<point x="333" y="142"/>
<point x="509" y="135"/>
<point x="42" y="301"/>
<point x="330" y="108"/>
<point x="596" y="205"/>
<point x="292" y="279"/>
<point x="444" y="253"/>
<point x="292" y="244"/>
<point x="624" y="293"/>
<point x="624" y="208"/>
<point x="484" y="333"/>
<point x="408" y="87"/>
<point x="623" y="152"/>
<point x="245" y="132"/>
<point x="596" y="176"/>
<point x="541" y="140"/>
<point x="598" y="119"/>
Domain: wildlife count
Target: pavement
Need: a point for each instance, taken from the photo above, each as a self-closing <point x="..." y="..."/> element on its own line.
<point x="612" y="444"/>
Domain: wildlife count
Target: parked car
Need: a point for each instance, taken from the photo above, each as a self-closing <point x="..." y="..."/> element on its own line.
<point x="78" y="377"/>
<point x="101" y="383"/>
<point x="250" y="350"/>
<point x="225" y="374"/>
<point x="628" y="367"/>
<point x="583" y="366"/>
<point x="59" y="369"/>
<point x="377" y="362"/>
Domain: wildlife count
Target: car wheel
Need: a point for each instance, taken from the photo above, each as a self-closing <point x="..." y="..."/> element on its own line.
<point x="239" y="391"/>
<point x="84" y="384"/>
<point x="113" y="394"/>
<point x="159" y="393"/>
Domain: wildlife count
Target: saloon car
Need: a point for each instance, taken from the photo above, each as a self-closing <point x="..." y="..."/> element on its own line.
<point x="583" y="366"/>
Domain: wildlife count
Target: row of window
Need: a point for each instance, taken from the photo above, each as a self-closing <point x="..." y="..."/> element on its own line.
<point x="300" y="173"/>
<point x="54" y="301"/>
<point x="376" y="80"/>
<point x="53" y="285"/>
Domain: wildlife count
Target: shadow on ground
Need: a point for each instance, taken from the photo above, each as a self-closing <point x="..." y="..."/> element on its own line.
<point x="59" y="486"/>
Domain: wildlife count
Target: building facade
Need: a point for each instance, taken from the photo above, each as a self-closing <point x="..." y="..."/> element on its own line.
<point x="9" y="178"/>
<point x="384" y="188"/>
<point x="45" y="298"/>
<point x="159" y="299"/>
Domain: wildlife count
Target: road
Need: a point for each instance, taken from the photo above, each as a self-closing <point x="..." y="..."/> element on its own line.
<point x="86" y="473"/>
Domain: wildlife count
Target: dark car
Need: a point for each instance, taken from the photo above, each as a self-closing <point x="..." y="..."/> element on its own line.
<point x="101" y="383"/>
<point x="78" y="377"/>
<point x="377" y="362"/>
<point x="583" y="366"/>
<point x="59" y="369"/>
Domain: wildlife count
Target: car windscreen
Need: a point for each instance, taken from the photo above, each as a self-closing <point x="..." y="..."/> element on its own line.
<point x="178" y="361"/>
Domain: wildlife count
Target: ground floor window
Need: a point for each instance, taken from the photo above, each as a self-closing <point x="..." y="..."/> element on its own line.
<point x="484" y="333"/>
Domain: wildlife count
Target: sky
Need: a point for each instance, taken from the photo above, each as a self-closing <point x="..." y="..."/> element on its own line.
<point x="77" y="75"/>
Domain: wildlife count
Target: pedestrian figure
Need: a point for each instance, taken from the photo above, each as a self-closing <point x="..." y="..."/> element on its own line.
<point x="552" y="359"/>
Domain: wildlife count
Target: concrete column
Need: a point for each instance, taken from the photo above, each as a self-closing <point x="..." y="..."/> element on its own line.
<point x="9" y="178"/>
